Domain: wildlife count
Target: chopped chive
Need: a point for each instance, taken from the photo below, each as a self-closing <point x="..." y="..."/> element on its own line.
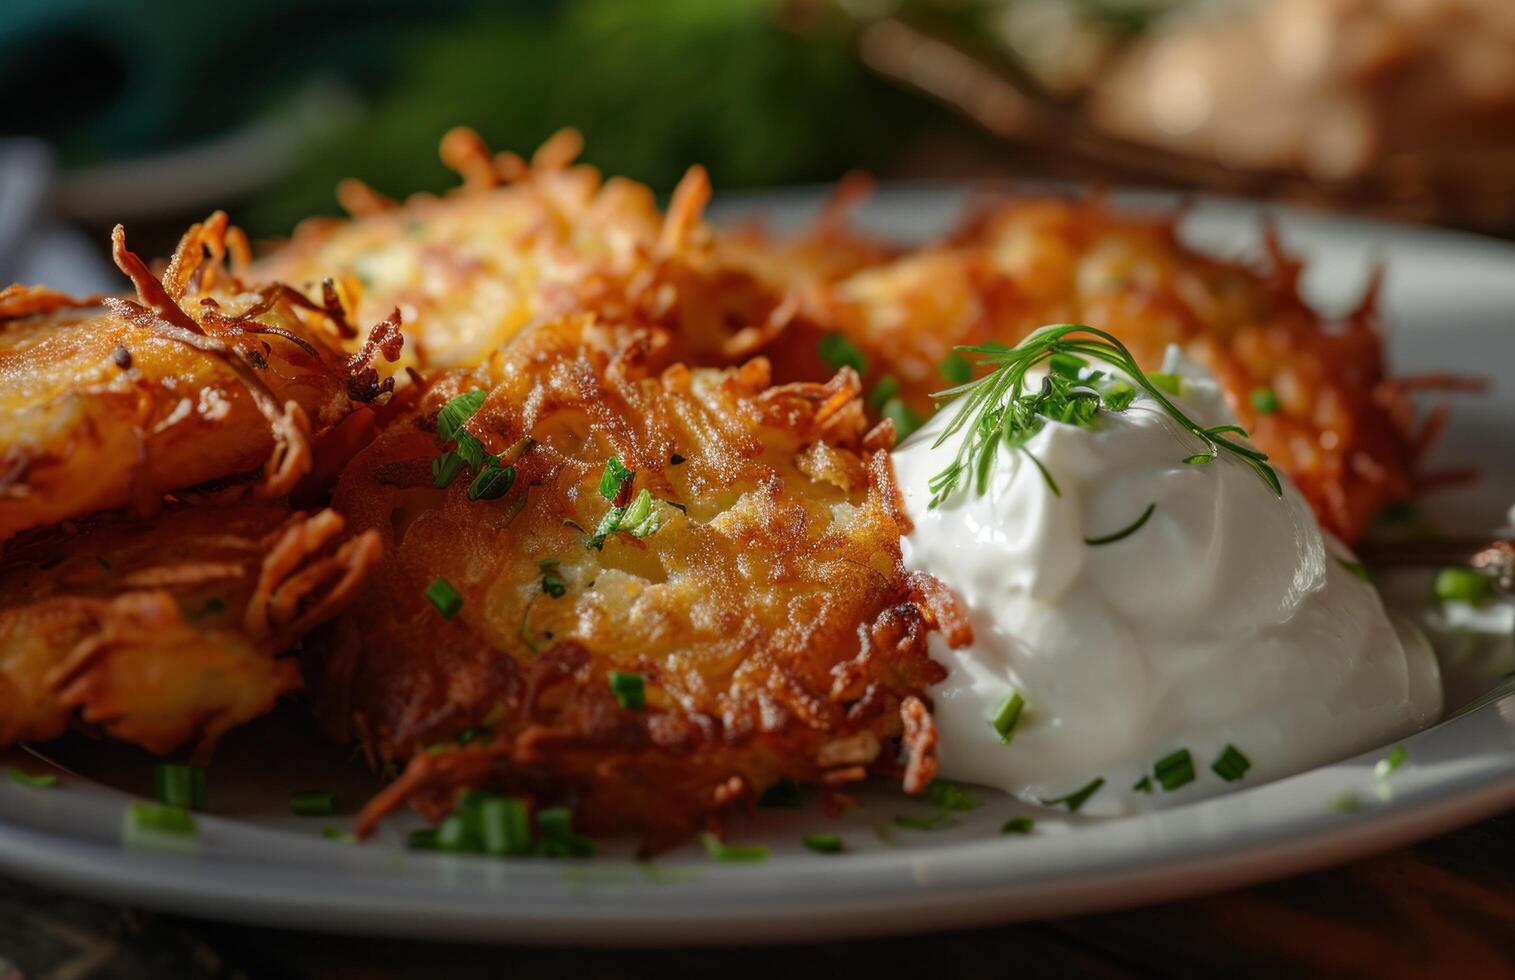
<point x="555" y="822"/>
<point x="956" y="368"/>
<point x="1075" y="800"/>
<point x="1126" y="531"/>
<point x="628" y="689"/>
<point x="1231" y="765"/>
<point x="492" y="483"/>
<point x="614" y="478"/>
<point x="339" y="834"/>
<point x="1396" y="758"/>
<point x="41" y="780"/>
<point x="936" y="821"/>
<point x="424" y="839"/>
<point x="823" y="843"/>
<point x="1174" y="770"/>
<point x="1142" y="785"/>
<point x="554" y="585"/>
<point x="888" y="386"/>
<point x="1264" y="401"/>
<point x="1008" y="717"/>
<point x="558" y="839"/>
<point x="784" y="794"/>
<point x="182" y="786"/>
<point x="455" y="834"/>
<point x="609" y="524"/>
<point x="1017" y="825"/>
<point x="722" y="851"/>
<point x="444" y="469"/>
<point x="1459" y="584"/>
<point x="1170" y="383"/>
<point x="444" y="597"/>
<point x="837" y="352"/>
<point x="951" y="797"/>
<point x="158" y="818"/>
<point x="642" y="517"/>
<point x="312" y="803"/>
<point x="457" y="411"/>
<point x="505" y="827"/>
<point x="1357" y="568"/>
<point x="905" y="421"/>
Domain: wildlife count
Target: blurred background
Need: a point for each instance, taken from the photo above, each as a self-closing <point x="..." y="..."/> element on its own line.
<point x="155" y="111"/>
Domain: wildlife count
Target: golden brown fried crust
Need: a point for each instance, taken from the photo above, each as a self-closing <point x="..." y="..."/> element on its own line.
<point x="1343" y="432"/>
<point x="195" y="379"/>
<point x="776" y="631"/>
<point x="166" y="631"/>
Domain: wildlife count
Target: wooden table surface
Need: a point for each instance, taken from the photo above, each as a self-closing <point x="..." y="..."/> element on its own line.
<point x="1445" y="907"/>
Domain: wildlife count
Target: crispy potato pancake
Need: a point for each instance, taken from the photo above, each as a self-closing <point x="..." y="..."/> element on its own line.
<point x="1323" y="409"/>
<point x="521" y="243"/>
<point x="758" y="592"/>
<point x="116" y="401"/>
<point x="170" y="630"/>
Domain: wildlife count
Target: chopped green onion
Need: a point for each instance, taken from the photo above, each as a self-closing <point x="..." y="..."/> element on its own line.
<point x="444" y="597"/>
<point x="837" y="352"/>
<point x="555" y="822"/>
<point x="905" y="421"/>
<point x="339" y="834"/>
<point x="1170" y="383"/>
<point x="823" y="843"/>
<point x="455" y="834"/>
<point x="1460" y="584"/>
<point x="1017" y="825"/>
<point x="41" y="780"/>
<point x="1174" y="770"/>
<point x="951" y="797"/>
<point x="1126" y="531"/>
<point x="628" y="690"/>
<point x="312" y="803"/>
<point x="1231" y="765"/>
<point x="1396" y="758"/>
<point x="784" y="794"/>
<point x="469" y="734"/>
<point x="457" y="411"/>
<point x="182" y="786"/>
<point x="424" y="839"/>
<point x="722" y="851"/>
<point x="1264" y="401"/>
<point x="1142" y="785"/>
<point x="1008" y="717"/>
<point x="888" y="386"/>
<point x="505" y="826"/>
<point x="609" y="524"/>
<point x="492" y="483"/>
<point x="956" y="368"/>
<point x="614" y="478"/>
<point x="936" y="821"/>
<point x="158" y="818"/>
<point x="554" y="585"/>
<point x="558" y="839"/>
<point x="1356" y="568"/>
<point x="1074" y="801"/>
<point x="444" y="469"/>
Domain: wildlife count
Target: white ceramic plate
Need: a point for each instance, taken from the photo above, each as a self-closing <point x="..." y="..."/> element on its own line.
<point x="1450" y="298"/>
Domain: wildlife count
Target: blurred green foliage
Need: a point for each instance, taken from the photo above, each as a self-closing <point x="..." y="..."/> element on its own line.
<point x="654" y="85"/>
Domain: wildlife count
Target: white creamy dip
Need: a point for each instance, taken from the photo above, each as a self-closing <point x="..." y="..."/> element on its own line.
<point x="1228" y="618"/>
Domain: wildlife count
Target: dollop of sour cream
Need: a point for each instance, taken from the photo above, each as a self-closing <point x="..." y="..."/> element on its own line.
<point x="1228" y="619"/>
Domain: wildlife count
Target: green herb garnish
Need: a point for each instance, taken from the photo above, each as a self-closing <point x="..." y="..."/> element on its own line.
<point x="935" y="821"/>
<point x="905" y="421"/>
<point x="157" y="819"/>
<point x="40" y="780"/>
<point x="837" y="352"/>
<point x="955" y="368"/>
<point x="181" y="786"/>
<point x="1264" y="401"/>
<point x="998" y="409"/>
<point x="951" y="797"/>
<point x="457" y="411"/>
<point x="1017" y="825"/>
<point x="444" y="597"/>
<point x="629" y="690"/>
<point x="1396" y="758"/>
<point x="722" y="851"/>
<point x="1356" y="568"/>
<point x="1075" y="800"/>
<point x="888" y="386"/>
<point x="1231" y="765"/>
<point x="1174" y="770"/>
<point x="444" y="469"/>
<point x="1008" y="716"/>
<point x="492" y="482"/>
<point x="614" y="477"/>
<point x="1459" y="584"/>
<point x="1142" y="785"/>
<point x="1126" y="531"/>
<point x="823" y="843"/>
<point x="339" y="834"/>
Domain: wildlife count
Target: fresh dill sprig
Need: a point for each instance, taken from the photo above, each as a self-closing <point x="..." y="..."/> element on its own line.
<point x="1000" y="408"/>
